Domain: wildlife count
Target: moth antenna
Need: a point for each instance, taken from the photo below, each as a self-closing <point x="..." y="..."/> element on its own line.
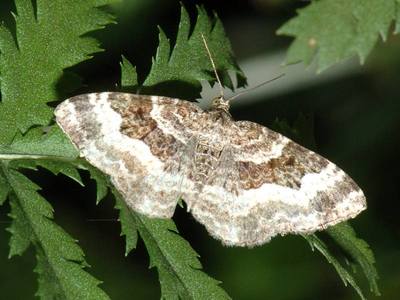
<point x="213" y="65"/>
<point x="255" y="87"/>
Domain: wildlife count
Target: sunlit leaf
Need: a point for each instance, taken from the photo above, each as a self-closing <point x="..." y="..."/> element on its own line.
<point x="331" y="31"/>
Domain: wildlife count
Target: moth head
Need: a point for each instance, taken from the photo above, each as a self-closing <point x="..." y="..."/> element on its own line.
<point x="219" y="103"/>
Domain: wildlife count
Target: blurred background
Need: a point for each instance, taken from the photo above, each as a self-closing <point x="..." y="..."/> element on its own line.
<point x="349" y="114"/>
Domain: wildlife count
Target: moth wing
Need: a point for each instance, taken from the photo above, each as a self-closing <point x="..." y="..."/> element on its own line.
<point x="273" y="186"/>
<point x="120" y="134"/>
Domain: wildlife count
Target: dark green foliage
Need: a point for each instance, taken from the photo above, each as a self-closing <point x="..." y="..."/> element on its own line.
<point x="332" y="31"/>
<point x="53" y="38"/>
<point x="60" y="261"/>
<point x="188" y="62"/>
<point x="359" y="251"/>
<point x="31" y="65"/>
<point x="178" y="266"/>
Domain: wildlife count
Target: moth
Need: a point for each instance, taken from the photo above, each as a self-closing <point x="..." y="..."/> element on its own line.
<point x="244" y="182"/>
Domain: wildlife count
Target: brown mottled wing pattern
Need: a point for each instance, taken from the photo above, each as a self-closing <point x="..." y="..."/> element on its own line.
<point x="125" y="137"/>
<point x="277" y="187"/>
<point x="244" y="182"/>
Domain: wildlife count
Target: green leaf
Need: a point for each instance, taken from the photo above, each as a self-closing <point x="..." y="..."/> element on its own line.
<point x="128" y="225"/>
<point x="129" y="80"/>
<point x="345" y="236"/>
<point x="69" y="169"/>
<point x="20" y="229"/>
<point x="50" y="36"/>
<point x="51" y="150"/>
<point x="37" y="143"/>
<point x="102" y="181"/>
<point x="48" y="40"/>
<point x="4" y="188"/>
<point x="60" y="260"/>
<point x="54" y="166"/>
<point x="397" y="29"/>
<point x="332" y="31"/>
<point x="177" y="263"/>
<point x="188" y="62"/>
<point x="346" y="277"/>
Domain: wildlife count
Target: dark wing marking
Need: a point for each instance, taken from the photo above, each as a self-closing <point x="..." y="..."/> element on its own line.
<point x="282" y="189"/>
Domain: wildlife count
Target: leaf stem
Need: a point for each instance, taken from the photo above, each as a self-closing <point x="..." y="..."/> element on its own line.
<point x="34" y="156"/>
